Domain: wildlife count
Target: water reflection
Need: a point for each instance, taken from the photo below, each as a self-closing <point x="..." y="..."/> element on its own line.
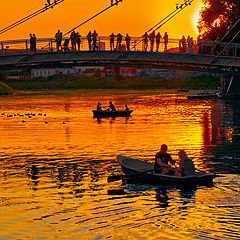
<point x="53" y="176"/>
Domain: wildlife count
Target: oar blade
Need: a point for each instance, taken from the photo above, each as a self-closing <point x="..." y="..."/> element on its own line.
<point x="114" y="178"/>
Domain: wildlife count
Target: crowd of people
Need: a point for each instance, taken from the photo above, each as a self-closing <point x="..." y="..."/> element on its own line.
<point x="152" y="38"/>
<point x="150" y="42"/>
<point x="186" y="45"/>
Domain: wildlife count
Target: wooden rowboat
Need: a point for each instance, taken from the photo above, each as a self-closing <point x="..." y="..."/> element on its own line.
<point x="107" y="113"/>
<point x="136" y="166"/>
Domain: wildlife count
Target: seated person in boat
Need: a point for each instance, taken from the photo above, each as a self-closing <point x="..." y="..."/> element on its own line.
<point x="111" y="107"/>
<point x="162" y="160"/>
<point x="99" y="106"/>
<point x="126" y="108"/>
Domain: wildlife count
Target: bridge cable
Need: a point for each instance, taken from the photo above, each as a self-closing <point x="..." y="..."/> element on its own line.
<point x="112" y="5"/>
<point x="166" y="19"/>
<point x="20" y="15"/>
<point x="233" y="26"/>
<point x="42" y="10"/>
<point x="227" y="45"/>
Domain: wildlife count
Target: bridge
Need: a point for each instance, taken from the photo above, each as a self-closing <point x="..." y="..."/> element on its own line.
<point x="16" y="54"/>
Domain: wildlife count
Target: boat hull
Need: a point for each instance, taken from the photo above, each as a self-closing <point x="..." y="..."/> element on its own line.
<point x="102" y="114"/>
<point x="136" y="166"/>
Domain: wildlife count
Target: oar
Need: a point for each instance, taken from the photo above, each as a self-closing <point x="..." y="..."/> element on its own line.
<point x="121" y="176"/>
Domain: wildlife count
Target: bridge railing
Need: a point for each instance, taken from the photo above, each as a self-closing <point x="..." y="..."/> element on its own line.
<point x="22" y="46"/>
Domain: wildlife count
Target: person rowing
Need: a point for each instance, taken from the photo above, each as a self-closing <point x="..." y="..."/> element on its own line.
<point x="111" y="106"/>
<point x="99" y="106"/>
<point x="162" y="160"/>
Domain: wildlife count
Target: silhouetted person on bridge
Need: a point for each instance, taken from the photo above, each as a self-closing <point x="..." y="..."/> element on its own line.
<point x="184" y="44"/>
<point x="152" y="38"/>
<point x="119" y="41"/>
<point x="78" y="40"/>
<point x="58" y="39"/>
<point x="199" y="42"/>
<point x="165" y="37"/>
<point x="94" y="38"/>
<point x="112" y="37"/>
<point x="31" y="42"/>
<point x="158" y="40"/>
<point x="190" y="49"/>
<point x="128" y="39"/>
<point x="145" y="41"/>
<point x="73" y="40"/>
<point x="89" y="38"/>
<point x="34" y="43"/>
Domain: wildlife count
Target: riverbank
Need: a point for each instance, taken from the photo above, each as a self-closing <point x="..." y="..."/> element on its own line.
<point x="5" y="89"/>
<point x="66" y="82"/>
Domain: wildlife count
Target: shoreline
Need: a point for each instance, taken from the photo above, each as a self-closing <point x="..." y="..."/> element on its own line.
<point x="65" y="82"/>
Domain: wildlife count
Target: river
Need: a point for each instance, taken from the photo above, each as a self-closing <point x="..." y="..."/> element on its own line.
<point x="55" y="159"/>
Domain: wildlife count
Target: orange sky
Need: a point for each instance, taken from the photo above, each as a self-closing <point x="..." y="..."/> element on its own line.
<point x="130" y="16"/>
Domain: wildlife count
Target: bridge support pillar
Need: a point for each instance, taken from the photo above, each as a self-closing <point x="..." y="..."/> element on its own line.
<point x="230" y="86"/>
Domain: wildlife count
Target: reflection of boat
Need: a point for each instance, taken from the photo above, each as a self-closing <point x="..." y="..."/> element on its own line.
<point x="133" y="166"/>
<point x="203" y="95"/>
<point x="107" y="113"/>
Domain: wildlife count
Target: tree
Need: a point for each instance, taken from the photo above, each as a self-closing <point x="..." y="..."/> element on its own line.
<point x="216" y="19"/>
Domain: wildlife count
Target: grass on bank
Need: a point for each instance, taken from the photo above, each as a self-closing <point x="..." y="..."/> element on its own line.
<point x="67" y="82"/>
<point x="5" y="89"/>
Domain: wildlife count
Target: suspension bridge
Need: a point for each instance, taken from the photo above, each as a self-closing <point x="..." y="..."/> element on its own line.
<point x="15" y="54"/>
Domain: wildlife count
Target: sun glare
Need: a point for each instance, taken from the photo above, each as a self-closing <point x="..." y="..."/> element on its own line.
<point x="195" y="19"/>
<point x="216" y="23"/>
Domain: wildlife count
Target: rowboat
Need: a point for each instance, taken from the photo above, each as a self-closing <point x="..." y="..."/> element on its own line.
<point x="202" y="95"/>
<point x="139" y="168"/>
<point x="108" y="113"/>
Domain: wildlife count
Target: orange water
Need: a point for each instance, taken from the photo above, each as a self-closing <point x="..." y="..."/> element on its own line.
<point x="53" y="168"/>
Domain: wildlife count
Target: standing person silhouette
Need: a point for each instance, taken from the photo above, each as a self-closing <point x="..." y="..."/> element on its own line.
<point x="58" y="39"/>
<point x="112" y="36"/>
<point x="158" y="40"/>
<point x="73" y="40"/>
<point x="184" y="44"/>
<point x="78" y="40"/>
<point x="34" y="43"/>
<point x="128" y="39"/>
<point x="152" y="39"/>
<point x="119" y="41"/>
<point x="89" y="38"/>
<point x="145" y="41"/>
<point x="94" y="38"/>
<point x="165" y="37"/>
<point x="31" y="42"/>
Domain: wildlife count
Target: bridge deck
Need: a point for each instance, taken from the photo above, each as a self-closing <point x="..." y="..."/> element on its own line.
<point x="127" y="58"/>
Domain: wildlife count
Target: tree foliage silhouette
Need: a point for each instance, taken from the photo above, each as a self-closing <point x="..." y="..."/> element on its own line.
<point x="217" y="17"/>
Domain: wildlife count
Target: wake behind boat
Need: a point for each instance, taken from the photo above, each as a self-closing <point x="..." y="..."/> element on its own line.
<point x="141" y="174"/>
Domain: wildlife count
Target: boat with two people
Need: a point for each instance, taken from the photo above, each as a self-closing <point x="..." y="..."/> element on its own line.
<point x="111" y="111"/>
<point x="141" y="171"/>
